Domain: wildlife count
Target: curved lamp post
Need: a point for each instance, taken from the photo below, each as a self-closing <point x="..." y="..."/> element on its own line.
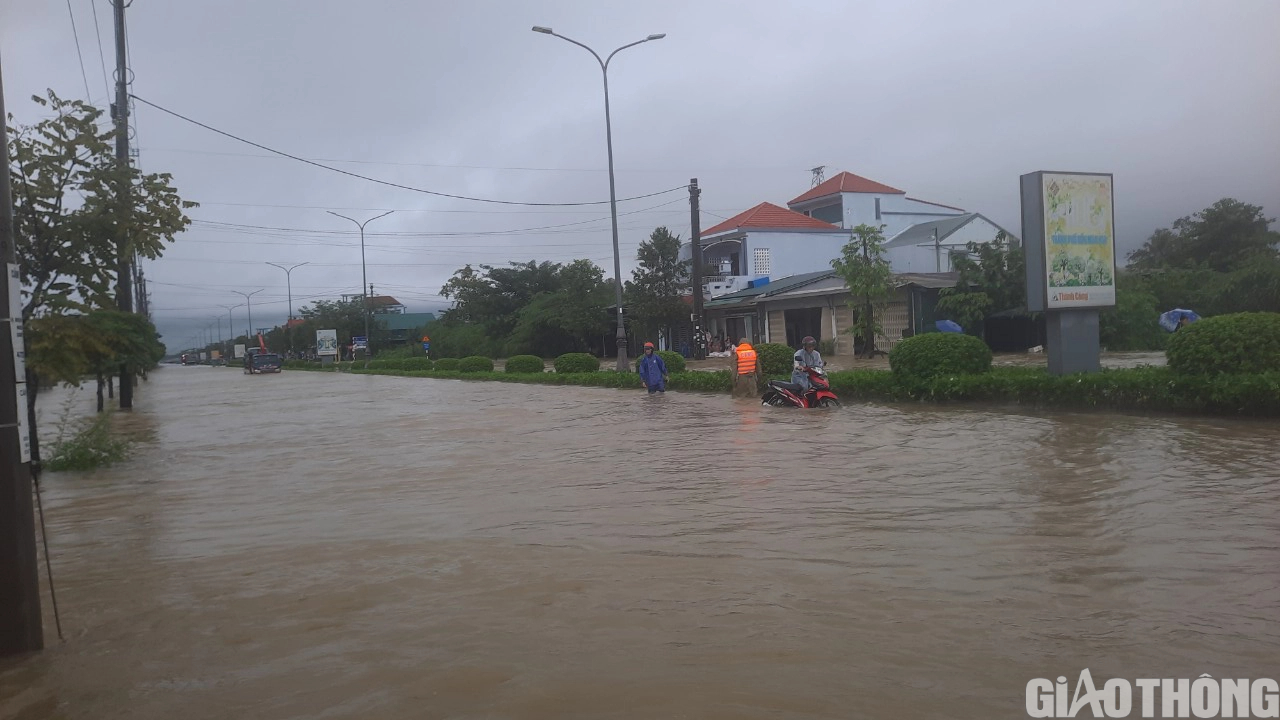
<point x="613" y="197"/>
<point x="364" y="275"/>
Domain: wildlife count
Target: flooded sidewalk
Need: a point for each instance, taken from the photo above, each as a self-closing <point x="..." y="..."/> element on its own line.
<point x="325" y="545"/>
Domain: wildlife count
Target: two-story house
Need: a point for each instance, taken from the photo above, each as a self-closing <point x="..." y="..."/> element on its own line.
<point x="769" y="241"/>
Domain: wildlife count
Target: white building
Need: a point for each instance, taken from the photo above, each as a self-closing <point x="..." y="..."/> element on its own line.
<point x="930" y="247"/>
<point x="771" y="241"/>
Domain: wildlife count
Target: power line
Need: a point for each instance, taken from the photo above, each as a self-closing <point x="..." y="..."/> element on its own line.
<point x="97" y="29"/>
<point x="85" y="76"/>
<point x="386" y="182"/>
<point x="477" y="233"/>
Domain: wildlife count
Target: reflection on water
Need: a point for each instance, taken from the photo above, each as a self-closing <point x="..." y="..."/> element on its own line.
<point x="339" y="546"/>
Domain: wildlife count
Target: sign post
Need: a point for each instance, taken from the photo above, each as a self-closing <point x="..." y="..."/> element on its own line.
<point x="426" y="346"/>
<point x="1068" y="232"/>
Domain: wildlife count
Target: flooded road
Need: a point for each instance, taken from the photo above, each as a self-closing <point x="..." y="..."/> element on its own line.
<point x="335" y="546"/>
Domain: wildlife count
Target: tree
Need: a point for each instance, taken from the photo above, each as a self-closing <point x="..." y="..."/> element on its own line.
<point x="869" y="278"/>
<point x="569" y="319"/>
<point x="992" y="278"/>
<point x="68" y="250"/>
<point x="1226" y="236"/>
<point x="65" y="348"/>
<point x="537" y="307"/>
<point x="654" y="293"/>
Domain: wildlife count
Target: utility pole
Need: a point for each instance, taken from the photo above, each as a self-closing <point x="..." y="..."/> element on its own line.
<point x="124" y="266"/>
<point x="20" y="622"/>
<point x="695" y="247"/>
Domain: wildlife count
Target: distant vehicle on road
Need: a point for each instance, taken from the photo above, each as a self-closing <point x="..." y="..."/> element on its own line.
<point x="190" y="359"/>
<point x="262" y="363"/>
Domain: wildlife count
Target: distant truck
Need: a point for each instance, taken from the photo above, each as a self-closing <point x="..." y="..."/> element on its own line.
<point x="260" y="362"/>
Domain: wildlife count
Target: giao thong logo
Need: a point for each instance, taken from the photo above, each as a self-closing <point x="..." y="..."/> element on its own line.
<point x="1203" y="697"/>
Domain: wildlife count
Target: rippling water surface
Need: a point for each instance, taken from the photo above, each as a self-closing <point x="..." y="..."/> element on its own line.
<point x="338" y="546"/>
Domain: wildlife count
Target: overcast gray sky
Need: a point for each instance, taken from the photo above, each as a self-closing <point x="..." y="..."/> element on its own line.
<point x="950" y="101"/>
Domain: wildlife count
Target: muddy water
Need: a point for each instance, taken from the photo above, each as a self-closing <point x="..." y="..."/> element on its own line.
<point x="323" y="546"/>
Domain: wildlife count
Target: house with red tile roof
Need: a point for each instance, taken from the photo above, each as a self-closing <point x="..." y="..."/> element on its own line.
<point x="766" y="241"/>
<point x="769" y="241"/>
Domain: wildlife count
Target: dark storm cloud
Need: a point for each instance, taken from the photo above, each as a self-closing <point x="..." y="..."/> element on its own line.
<point x="949" y="101"/>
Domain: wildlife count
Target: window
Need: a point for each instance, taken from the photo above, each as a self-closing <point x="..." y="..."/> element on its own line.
<point x="760" y="261"/>
<point x="877" y="208"/>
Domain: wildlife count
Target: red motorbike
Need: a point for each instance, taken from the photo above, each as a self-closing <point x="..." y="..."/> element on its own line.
<point x="787" y="394"/>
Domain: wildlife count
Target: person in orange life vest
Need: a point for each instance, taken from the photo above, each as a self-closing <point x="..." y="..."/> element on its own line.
<point x="746" y="370"/>
<point x="653" y="371"/>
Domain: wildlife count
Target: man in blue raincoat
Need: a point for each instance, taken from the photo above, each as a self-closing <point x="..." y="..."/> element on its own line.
<point x="653" y="371"/>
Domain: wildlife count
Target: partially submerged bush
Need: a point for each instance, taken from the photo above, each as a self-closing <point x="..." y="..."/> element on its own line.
<point x="934" y="354"/>
<point x="775" y="358"/>
<point x="524" y="364"/>
<point x="92" y="447"/>
<point x="674" y="360"/>
<point x="577" y="363"/>
<point x="475" y="363"/>
<point x="1237" y="343"/>
<point x="447" y="364"/>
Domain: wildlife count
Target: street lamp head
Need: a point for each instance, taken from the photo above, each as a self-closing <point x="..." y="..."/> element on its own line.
<point x="656" y="36"/>
<point x="546" y="30"/>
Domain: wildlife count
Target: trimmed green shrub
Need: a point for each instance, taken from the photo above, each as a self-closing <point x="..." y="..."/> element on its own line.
<point x="1237" y="343"/>
<point x="524" y="364"/>
<point x="674" y="361"/>
<point x="413" y="363"/>
<point x="934" y="354"/>
<point x="577" y="363"/>
<point x="775" y="358"/>
<point x="447" y="364"/>
<point x="475" y="363"/>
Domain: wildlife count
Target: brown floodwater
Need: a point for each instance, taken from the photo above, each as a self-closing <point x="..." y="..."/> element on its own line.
<point x="339" y="546"/>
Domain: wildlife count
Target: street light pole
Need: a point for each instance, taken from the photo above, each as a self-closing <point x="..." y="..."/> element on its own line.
<point x="288" y="272"/>
<point x="364" y="275"/>
<point x="249" y="305"/>
<point x="613" y="196"/>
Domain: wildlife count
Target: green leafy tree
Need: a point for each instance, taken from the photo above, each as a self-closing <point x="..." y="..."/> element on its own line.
<point x="70" y="224"/>
<point x="654" y="293"/>
<point x="992" y="278"/>
<point x="569" y="319"/>
<point x="1225" y="236"/>
<point x="867" y="274"/>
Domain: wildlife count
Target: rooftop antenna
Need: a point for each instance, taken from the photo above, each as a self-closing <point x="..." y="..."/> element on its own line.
<point x="817" y="175"/>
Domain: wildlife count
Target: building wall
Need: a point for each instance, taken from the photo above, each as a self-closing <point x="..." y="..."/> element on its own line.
<point x="792" y="253"/>
<point x="922" y="258"/>
<point x="894" y="319"/>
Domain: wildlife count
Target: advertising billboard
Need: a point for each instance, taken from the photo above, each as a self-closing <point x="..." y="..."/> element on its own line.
<point x="1068" y="230"/>
<point x="326" y="342"/>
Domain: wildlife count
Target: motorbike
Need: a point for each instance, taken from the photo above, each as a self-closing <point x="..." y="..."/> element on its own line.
<point x="788" y="394"/>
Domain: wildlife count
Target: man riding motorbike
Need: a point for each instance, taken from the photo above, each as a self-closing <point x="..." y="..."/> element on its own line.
<point x="806" y="357"/>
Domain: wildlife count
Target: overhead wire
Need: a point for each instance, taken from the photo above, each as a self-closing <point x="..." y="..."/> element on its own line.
<point x="88" y="95"/>
<point x="97" y="29"/>
<point x="387" y="182"/>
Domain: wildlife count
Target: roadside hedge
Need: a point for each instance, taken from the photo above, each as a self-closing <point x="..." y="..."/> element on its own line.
<point x="934" y="354"/>
<point x="1142" y="390"/>
<point x="569" y="363"/>
<point x="524" y="364"/>
<point x="447" y="364"/>
<point x="674" y="361"/>
<point x="475" y="364"/>
<point x="775" y="358"/>
<point x="1236" y="343"/>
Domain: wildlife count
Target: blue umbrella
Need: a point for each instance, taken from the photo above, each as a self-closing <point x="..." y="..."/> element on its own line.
<point x="948" y="326"/>
<point x="1169" y="321"/>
